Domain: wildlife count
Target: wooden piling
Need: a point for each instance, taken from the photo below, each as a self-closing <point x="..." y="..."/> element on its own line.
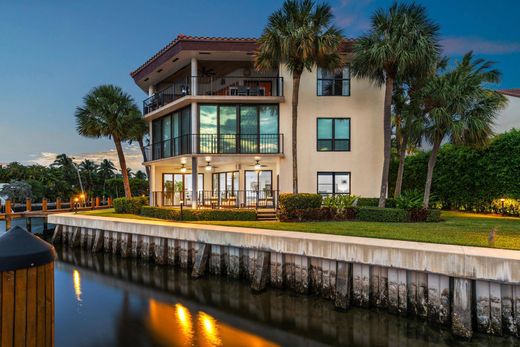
<point x="8" y="212"/>
<point x="261" y="273"/>
<point x="44" y="205"/>
<point x="58" y="203"/>
<point x="343" y="285"/>
<point x="28" y="206"/>
<point x="97" y="201"/>
<point x="201" y="260"/>
<point x="26" y="291"/>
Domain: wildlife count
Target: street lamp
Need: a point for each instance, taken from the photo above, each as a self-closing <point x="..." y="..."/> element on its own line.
<point x="79" y="176"/>
<point x="182" y="205"/>
<point x="503" y="205"/>
<point x="75" y="207"/>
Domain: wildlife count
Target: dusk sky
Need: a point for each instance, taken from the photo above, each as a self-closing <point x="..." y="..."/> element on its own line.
<point x="53" y="52"/>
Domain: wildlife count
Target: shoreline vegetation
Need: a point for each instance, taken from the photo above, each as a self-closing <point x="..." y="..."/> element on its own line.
<point x="456" y="228"/>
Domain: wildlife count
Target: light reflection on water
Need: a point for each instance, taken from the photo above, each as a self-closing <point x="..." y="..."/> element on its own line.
<point x="102" y="300"/>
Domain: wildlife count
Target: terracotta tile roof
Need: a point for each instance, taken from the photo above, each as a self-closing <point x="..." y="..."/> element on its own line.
<point x="203" y="43"/>
<point x="182" y="37"/>
<point x="511" y="92"/>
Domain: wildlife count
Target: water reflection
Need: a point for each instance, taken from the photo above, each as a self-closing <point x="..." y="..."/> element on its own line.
<point x="129" y="303"/>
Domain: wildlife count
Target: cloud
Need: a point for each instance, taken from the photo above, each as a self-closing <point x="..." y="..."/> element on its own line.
<point x="132" y="154"/>
<point x="353" y="16"/>
<point x="461" y="45"/>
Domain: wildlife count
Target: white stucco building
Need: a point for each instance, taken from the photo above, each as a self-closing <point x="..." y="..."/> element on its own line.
<point x="222" y="129"/>
<point x="509" y="118"/>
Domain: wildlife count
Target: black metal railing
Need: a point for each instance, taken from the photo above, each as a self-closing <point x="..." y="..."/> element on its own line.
<point x="216" y="144"/>
<point x="166" y="95"/>
<point x="215" y="86"/>
<point x="266" y="198"/>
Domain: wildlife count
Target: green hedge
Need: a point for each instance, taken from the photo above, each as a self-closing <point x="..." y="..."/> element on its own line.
<point x="374" y="202"/>
<point x="198" y="215"/>
<point x="130" y="205"/>
<point x="299" y="201"/>
<point x="376" y="214"/>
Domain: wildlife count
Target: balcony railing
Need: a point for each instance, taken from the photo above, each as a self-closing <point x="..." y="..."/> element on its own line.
<point x="216" y="144"/>
<point x="266" y="198"/>
<point x="215" y="86"/>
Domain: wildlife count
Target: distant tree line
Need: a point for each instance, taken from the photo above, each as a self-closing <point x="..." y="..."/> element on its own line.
<point x="60" y="180"/>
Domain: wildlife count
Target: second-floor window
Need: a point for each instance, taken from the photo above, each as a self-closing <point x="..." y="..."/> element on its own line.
<point x="334" y="83"/>
<point x="333" y="134"/>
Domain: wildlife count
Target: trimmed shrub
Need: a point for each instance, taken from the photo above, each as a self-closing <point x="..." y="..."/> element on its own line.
<point x="374" y="202"/>
<point x="377" y="214"/>
<point x="293" y="206"/>
<point x="300" y="201"/>
<point x="130" y="205"/>
<point x="196" y="215"/>
<point x="433" y="215"/>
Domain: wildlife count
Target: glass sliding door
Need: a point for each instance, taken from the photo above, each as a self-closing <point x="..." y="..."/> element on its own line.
<point x="259" y="188"/>
<point x="248" y="129"/>
<point x="177" y="188"/>
<point x="268" y="117"/>
<point x="226" y="188"/>
<point x="166" y="136"/>
<point x="208" y="128"/>
<point x="227" y="129"/>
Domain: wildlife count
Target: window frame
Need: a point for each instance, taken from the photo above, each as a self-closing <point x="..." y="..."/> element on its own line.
<point x="334" y="174"/>
<point x="333" y="138"/>
<point x="349" y="79"/>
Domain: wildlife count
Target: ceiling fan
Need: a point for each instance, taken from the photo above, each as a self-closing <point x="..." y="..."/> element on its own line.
<point x="206" y="72"/>
<point x="257" y="165"/>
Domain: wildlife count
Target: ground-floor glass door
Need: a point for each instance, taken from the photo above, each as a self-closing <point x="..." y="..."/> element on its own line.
<point x="177" y="188"/>
<point x="259" y="188"/>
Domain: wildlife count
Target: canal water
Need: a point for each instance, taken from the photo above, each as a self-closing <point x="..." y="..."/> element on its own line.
<point x="103" y="300"/>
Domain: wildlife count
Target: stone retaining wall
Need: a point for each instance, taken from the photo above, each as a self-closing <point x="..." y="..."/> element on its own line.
<point x="467" y="288"/>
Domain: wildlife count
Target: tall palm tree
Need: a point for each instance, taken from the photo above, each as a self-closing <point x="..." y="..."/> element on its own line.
<point x="88" y="169"/>
<point x="402" y="41"/>
<point x="461" y="109"/>
<point x="300" y="35"/>
<point x="108" y="111"/>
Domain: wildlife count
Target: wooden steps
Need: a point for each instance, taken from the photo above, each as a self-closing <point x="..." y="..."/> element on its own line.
<point x="266" y="215"/>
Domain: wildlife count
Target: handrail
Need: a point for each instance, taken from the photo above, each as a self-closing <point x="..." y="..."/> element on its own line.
<point x="258" y="86"/>
<point x="216" y="144"/>
<point x="265" y="198"/>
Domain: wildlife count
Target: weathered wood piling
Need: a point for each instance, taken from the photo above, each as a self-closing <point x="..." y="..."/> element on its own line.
<point x="463" y="304"/>
<point x="26" y="290"/>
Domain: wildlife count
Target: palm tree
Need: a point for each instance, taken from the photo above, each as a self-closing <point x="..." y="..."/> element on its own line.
<point x="106" y="171"/>
<point x="137" y="133"/>
<point x="107" y="111"/>
<point x="402" y="41"/>
<point x="300" y="35"/>
<point x="88" y="168"/>
<point x="461" y="110"/>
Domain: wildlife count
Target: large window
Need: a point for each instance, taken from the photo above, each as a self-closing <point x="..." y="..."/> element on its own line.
<point x="334" y="83"/>
<point x="238" y="129"/>
<point x="171" y="134"/>
<point x="333" y="134"/>
<point x="332" y="183"/>
<point x="177" y="188"/>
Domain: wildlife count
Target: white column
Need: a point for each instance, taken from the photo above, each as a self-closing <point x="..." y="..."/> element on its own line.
<point x="194" y="70"/>
<point x="151" y="182"/>
<point x="194" y="182"/>
<point x="151" y="90"/>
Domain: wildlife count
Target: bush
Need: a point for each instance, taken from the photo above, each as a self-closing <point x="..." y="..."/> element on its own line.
<point x="377" y="214"/>
<point x="196" y="215"/>
<point x="374" y="202"/>
<point x="130" y="205"/>
<point x="409" y="200"/>
<point x="293" y="206"/>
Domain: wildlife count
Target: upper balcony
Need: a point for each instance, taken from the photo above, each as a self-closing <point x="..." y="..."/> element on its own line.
<point x="236" y="87"/>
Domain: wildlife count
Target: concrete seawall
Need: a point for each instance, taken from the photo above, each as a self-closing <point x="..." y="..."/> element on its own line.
<point x="467" y="288"/>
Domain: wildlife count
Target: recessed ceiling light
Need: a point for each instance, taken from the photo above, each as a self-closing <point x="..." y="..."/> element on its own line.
<point x="160" y="70"/>
<point x="146" y="79"/>
<point x="174" y="60"/>
<point x="204" y="53"/>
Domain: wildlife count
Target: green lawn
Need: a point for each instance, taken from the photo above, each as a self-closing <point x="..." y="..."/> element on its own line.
<point x="456" y="228"/>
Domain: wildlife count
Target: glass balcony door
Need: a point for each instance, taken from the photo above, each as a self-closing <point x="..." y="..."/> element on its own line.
<point x="177" y="188"/>
<point x="259" y="188"/>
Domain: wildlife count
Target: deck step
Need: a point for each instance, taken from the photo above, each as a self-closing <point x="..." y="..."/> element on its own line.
<point x="266" y="215"/>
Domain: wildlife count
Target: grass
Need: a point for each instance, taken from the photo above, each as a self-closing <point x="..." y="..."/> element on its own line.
<point x="109" y="212"/>
<point x="457" y="228"/>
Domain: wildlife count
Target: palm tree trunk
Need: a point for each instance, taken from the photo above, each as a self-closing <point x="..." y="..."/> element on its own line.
<point x="387" y="119"/>
<point x="122" y="163"/>
<point x="400" y="170"/>
<point x="295" y="94"/>
<point x="143" y="152"/>
<point x="429" y="175"/>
